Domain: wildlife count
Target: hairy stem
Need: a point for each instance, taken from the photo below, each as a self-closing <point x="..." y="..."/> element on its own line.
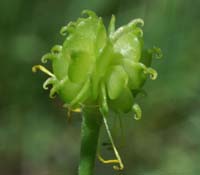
<point x="91" y="124"/>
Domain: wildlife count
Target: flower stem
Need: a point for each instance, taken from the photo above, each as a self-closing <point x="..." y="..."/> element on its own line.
<point x="91" y="124"/>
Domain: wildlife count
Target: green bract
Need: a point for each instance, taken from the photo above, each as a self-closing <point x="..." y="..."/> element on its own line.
<point x="93" y="66"/>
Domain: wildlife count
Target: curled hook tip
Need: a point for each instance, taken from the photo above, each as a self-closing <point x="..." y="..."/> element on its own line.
<point x="136" y="117"/>
<point x="117" y="168"/>
<point x="68" y="28"/>
<point x="46" y="57"/>
<point x="156" y="52"/>
<point x="34" y="68"/>
<point x="153" y="77"/>
<point x="53" y="91"/>
<point x="63" y="30"/>
<point x="138" y="112"/>
<point x="56" y="49"/>
<point x="137" y="21"/>
<point x="45" y="87"/>
<point x="139" y="32"/>
<point x="90" y="13"/>
<point x="49" y="81"/>
<point x="43" y="60"/>
<point x="52" y="96"/>
<point x="153" y="73"/>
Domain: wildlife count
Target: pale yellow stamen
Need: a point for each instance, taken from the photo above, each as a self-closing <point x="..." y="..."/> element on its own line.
<point x="78" y="110"/>
<point x="43" y="69"/>
<point x="118" y="160"/>
<point x="107" y="161"/>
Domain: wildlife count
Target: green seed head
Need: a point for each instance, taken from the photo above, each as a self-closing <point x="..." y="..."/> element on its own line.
<point x="94" y="66"/>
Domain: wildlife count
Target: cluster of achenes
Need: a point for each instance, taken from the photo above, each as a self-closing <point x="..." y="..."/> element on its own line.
<point x="96" y="68"/>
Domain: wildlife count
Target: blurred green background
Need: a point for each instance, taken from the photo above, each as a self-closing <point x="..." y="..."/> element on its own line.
<point x="35" y="137"/>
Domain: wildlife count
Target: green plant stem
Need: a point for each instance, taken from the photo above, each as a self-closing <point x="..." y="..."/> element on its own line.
<point x="91" y="123"/>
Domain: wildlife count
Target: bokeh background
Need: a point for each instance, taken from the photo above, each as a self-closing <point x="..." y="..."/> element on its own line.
<point x="35" y="137"/>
